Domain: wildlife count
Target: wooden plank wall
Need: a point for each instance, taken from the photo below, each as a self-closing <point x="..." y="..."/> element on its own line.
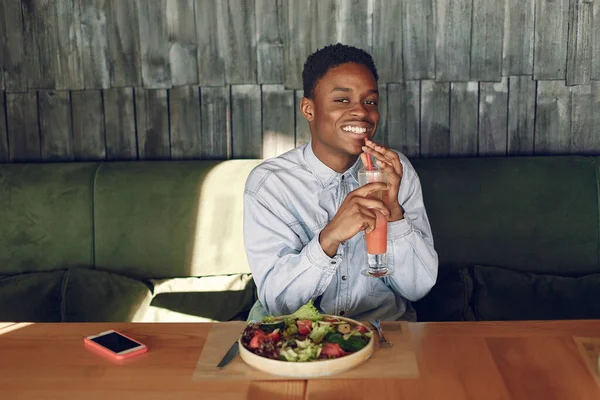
<point x="216" y="79"/>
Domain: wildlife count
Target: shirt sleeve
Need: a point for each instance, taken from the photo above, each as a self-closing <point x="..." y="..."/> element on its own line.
<point x="411" y="252"/>
<point x="287" y="273"/>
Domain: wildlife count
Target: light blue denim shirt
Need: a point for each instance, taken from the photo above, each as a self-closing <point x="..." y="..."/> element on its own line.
<point x="288" y="200"/>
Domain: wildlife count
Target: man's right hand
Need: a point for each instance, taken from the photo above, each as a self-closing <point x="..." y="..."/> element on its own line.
<point x="354" y="215"/>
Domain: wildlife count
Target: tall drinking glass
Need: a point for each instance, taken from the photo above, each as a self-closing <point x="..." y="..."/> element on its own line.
<point x="376" y="241"/>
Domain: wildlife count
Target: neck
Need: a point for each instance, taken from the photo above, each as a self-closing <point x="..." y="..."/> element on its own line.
<point x="337" y="162"/>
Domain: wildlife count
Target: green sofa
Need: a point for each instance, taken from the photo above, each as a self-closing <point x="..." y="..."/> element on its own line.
<point x="518" y="238"/>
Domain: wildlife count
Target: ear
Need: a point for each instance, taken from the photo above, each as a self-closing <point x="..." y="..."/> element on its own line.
<point x="307" y="108"/>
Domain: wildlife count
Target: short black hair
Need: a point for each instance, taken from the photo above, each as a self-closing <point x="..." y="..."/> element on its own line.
<point x="322" y="60"/>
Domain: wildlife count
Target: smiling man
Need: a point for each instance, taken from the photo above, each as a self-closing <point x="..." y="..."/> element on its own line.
<point x="305" y="215"/>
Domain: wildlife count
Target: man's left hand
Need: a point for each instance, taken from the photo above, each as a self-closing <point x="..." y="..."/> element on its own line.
<point x="388" y="161"/>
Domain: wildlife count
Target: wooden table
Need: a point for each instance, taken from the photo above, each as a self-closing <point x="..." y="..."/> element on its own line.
<point x="503" y="360"/>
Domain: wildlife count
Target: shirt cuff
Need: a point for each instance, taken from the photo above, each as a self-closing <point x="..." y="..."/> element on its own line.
<point x="319" y="259"/>
<point x="399" y="228"/>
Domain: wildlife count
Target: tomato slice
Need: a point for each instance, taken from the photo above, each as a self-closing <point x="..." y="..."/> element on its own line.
<point x="275" y="336"/>
<point x="304" y="326"/>
<point x="332" y="350"/>
<point x="361" y="328"/>
<point x="257" y="339"/>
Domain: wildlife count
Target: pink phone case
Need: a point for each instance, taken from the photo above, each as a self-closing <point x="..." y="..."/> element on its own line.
<point x="103" y="350"/>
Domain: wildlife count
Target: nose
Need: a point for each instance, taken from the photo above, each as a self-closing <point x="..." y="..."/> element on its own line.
<point x="359" y="109"/>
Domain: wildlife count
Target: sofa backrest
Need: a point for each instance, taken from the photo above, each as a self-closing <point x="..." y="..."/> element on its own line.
<point x="535" y="214"/>
<point x="171" y="219"/>
<point x="46" y="217"/>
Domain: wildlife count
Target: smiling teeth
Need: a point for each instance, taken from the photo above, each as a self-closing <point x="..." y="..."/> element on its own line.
<point x="355" y="129"/>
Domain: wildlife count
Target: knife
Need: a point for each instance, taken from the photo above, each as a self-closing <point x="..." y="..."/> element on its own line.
<point x="230" y="355"/>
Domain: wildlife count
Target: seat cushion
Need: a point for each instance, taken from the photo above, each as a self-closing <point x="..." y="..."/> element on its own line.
<point x="31" y="297"/>
<point x="46" y="220"/>
<point x="450" y="297"/>
<point x="502" y="294"/>
<point x="206" y="299"/>
<point x="101" y="296"/>
<point x="532" y="214"/>
<point x="173" y="219"/>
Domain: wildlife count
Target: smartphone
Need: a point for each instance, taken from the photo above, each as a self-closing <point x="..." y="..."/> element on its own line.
<point x="115" y="344"/>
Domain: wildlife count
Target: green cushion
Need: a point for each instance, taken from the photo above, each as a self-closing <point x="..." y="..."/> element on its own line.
<point x="450" y="297"/>
<point x="171" y="219"/>
<point x="100" y="296"/>
<point x="31" y="297"/>
<point x="206" y="299"/>
<point x="533" y="214"/>
<point x="46" y="221"/>
<point x="501" y="294"/>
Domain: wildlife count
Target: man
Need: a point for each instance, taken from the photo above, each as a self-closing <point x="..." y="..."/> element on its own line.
<point x="305" y="216"/>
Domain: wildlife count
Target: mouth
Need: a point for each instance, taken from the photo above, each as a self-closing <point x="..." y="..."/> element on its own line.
<point x="359" y="130"/>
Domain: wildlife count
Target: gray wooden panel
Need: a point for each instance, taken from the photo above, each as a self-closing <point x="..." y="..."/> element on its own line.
<point x="278" y="120"/>
<point x="94" y="40"/>
<point x="270" y="31"/>
<point x="381" y="134"/>
<point x="13" y="50"/>
<point x="302" y="127"/>
<point x="464" y="97"/>
<point x="183" y="50"/>
<point x="123" y="44"/>
<point x="298" y="40"/>
<point x="595" y="42"/>
<point x="595" y="114"/>
<point x="553" y="118"/>
<point x="583" y="139"/>
<point x="403" y="118"/>
<point x="387" y="40"/>
<point x="453" y="40"/>
<point x="354" y="24"/>
<point x="119" y="122"/>
<point x="23" y="129"/>
<point x="152" y="123"/>
<point x="418" y="36"/>
<point x="89" y="141"/>
<point x="521" y="115"/>
<point x="216" y="127"/>
<point x="211" y="61"/>
<point x="551" y="28"/>
<point x="4" y="153"/>
<point x="324" y="33"/>
<point x="240" y="43"/>
<point x="154" y="44"/>
<point x="517" y="56"/>
<point x="579" y="48"/>
<point x="41" y="44"/>
<point x="246" y="121"/>
<point x="68" y="35"/>
<point x="56" y="132"/>
<point x="435" y="118"/>
<point x="487" y="41"/>
<point x="493" y="118"/>
<point x="184" y="111"/>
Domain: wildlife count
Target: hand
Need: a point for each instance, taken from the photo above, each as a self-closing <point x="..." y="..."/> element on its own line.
<point x="356" y="213"/>
<point x="388" y="161"/>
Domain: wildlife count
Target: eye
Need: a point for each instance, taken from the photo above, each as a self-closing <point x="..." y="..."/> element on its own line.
<point x="371" y="102"/>
<point x="341" y="100"/>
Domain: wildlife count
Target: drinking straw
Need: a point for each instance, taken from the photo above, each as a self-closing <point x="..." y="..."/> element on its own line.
<point x="369" y="161"/>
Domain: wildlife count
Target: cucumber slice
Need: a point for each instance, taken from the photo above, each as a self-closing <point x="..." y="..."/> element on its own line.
<point x="271" y="326"/>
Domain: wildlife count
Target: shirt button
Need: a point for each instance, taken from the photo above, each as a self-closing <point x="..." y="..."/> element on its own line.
<point x="342" y="177"/>
<point x="333" y="263"/>
<point x="343" y="277"/>
<point x="342" y="312"/>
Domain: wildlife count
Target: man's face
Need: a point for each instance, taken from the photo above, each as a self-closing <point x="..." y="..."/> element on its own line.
<point x="343" y="112"/>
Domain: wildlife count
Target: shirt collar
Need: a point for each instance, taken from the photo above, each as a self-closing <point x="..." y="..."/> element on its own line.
<point x="324" y="174"/>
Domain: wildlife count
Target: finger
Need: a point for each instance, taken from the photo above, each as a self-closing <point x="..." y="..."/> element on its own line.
<point x="369" y="188"/>
<point x="374" y="204"/>
<point x="368" y="223"/>
<point x="388" y="155"/>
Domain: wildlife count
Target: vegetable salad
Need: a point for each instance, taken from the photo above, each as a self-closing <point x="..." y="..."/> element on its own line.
<point x="303" y="336"/>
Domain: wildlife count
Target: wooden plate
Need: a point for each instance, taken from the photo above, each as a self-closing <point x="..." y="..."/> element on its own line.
<point x="311" y="368"/>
